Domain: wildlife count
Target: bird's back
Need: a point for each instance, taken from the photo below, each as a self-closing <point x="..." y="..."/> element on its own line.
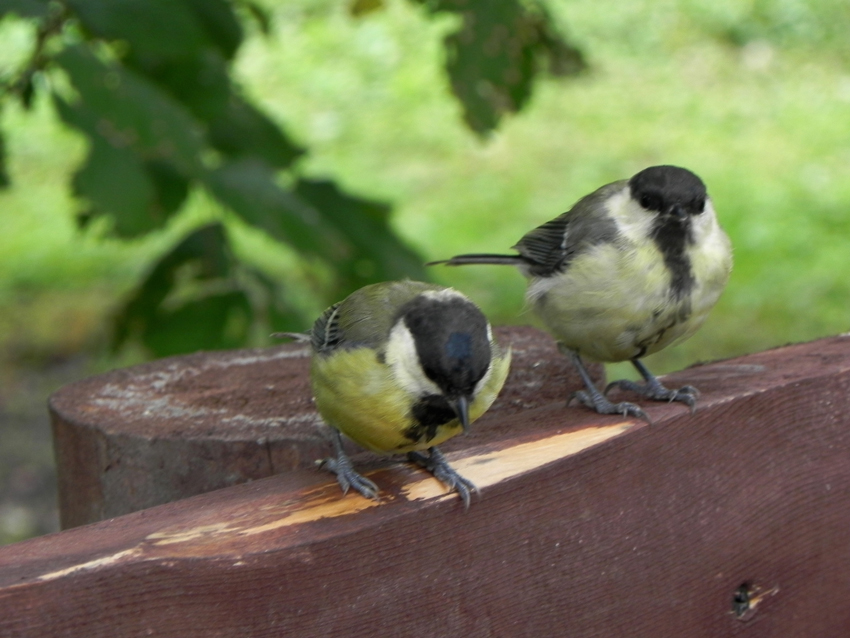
<point x="365" y="317"/>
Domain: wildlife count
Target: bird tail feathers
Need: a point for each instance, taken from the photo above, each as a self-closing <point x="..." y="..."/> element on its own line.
<point x="300" y="337"/>
<point x="464" y="260"/>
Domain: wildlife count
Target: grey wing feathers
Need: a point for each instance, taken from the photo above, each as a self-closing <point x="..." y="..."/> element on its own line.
<point x="365" y="317"/>
<point x="369" y="313"/>
<point x="551" y="247"/>
<point x="545" y="249"/>
<point x="326" y="334"/>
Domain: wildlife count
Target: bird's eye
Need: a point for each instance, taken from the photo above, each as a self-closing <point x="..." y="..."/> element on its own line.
<point x="699" y="205"/>
<point x="650" y="202"/>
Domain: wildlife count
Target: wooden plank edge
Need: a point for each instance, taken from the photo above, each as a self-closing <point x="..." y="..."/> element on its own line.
<point x="243" y="524"/>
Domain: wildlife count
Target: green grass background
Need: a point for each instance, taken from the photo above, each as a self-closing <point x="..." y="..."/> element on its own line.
<point x="753" y="95"/>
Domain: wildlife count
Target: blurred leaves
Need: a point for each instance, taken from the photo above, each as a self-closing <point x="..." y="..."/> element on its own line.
<point x="161" y="30"/>
<point x="258" y="14"/>
<point x="371" y="251"/>
<point x="359" y="8"/>
<point x="128" y="111"/>
<point x="188" y="299"/>
<point x="24" y="8"/>
<point x="149" y="83"/>
<point x="781" y="23"/>
<point x="495" y="55"/>
<point x="144" y="146"/>
<point x="4" y="175"/>
<point x="247" y="186"/>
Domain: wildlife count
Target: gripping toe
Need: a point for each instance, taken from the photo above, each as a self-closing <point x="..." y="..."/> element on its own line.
<point x="347" y="477"/>
<point x="602" y="405"/>
<point x="437" y="464"/>
<point x="655" y="391"/>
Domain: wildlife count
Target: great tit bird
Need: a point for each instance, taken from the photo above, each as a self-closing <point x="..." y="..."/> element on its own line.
<point x="399" y="367"/>
<point x="630" y="269"/>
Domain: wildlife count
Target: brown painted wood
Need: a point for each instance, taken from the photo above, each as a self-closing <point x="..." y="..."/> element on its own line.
<point x="587" y="526"/>
<point x="173" y="428"/>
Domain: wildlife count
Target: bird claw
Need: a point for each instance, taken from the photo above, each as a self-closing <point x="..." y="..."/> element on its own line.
<point x="348" y="478"/>
<point x="437" y="464"/>
<point x="656" y="392"/>
<point x="602" y="405"/>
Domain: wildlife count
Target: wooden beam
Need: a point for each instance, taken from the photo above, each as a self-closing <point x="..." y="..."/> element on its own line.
<point x="159" y="432"/>
<point x="732" y="521"/>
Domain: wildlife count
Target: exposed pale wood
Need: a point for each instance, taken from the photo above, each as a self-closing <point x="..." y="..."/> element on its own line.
<point x="159" y="432"/>
<point x="587" y="526"/>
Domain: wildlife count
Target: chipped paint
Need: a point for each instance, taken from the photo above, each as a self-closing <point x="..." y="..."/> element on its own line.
<point x="488" y="469"/>
<point x="323" y="502"/>
<point x="482" y="469"/>
<point x="92" y="564"/>
<point x="758" y="595"/>
<point x="186" y="535"/>
<point x="332" y="507"/>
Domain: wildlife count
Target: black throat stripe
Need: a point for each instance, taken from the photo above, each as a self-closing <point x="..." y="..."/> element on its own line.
<point x="429" y="413"/>
<point x="672" y="238"/>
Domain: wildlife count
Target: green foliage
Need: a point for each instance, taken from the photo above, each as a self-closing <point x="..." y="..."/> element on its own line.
<point x="492" y="59"/>
<point x="763" y="123"/>
<point x="4" y="174"/>
<point x="366" y="253"/>
<point x="207" y="311"/>
<point x="24" y="8"/>
<point x="816" y="24"/>
<point x="762" y="118"/>
<point x="149" y="84"/>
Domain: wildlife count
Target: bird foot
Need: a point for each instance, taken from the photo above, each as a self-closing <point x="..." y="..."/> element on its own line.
<point x="653" y="390"/>
<point x="597" y="401"/>
<point x="437" y="464"/>
<point x="347" y="477"/>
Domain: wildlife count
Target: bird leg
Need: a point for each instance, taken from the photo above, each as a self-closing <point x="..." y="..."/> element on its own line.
<point x="652" y="388"/>
<point x="345" y="474"/>
<point x="595" y="399"/>
<point x="437" y="464"/>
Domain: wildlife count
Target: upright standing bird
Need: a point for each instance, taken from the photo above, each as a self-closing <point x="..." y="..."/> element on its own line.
<point x="399" y="367"/>
<point x="630" y="269"/>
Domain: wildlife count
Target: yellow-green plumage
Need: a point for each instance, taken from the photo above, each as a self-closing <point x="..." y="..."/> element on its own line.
<point x="356" y="387"/>
<point x="357" y="394"/>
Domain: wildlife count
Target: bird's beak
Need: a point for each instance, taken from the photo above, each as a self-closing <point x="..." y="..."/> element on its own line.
<point x="678" y="212"/>
<point x="461" y="408"/>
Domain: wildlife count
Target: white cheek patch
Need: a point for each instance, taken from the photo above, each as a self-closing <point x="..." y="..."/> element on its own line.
<point x="402" y="357"/>
<point x="705" y="224"/>
<point x="633" y="221"/>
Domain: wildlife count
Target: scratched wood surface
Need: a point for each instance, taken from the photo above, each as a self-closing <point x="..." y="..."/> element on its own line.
<point x="729" y="522"/>
<point x="159" y="432"/>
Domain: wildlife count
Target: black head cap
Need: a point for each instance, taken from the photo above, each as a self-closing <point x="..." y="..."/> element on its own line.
<point x="452" y="342"/>
<point x="669" y="189"/>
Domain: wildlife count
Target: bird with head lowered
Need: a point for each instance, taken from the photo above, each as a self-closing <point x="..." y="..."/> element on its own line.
<point x="400" y="367"/>
<point x="630" y="269"/>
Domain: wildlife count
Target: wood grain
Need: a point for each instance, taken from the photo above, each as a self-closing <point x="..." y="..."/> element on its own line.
<point x="587" y="526"/>
<point x="163" y="431"/>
